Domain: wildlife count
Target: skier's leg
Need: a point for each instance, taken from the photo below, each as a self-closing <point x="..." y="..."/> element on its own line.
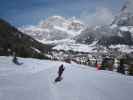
<point x="60" y="74"/>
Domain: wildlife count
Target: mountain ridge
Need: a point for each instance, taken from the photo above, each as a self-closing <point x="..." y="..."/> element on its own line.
<point x="57" y="28"/>
<point x="12" y="40"/>
<point x="54" y="28"/>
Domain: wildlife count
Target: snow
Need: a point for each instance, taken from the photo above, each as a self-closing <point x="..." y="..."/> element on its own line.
<point x="123" y="48"/>
<point x="124" y="28"/>
<point x="34" y="80"/>
<point x="52" y="26"/>
<point x="76" y="47"/>
<point x="113" y="26"/>
<point x="62" y="41"/>
<point x="70" y="32"/>
<point x="70" y="44"/>
<point x="36" y="49"/>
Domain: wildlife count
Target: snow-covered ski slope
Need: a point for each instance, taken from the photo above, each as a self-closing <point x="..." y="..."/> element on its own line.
<point x="34" y="80"/>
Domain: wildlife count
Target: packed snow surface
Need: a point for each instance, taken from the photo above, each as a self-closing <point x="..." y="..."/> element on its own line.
<point x="34" y="80"/>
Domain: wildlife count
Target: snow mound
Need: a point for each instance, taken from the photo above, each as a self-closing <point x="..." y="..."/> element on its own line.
<point x="34" y="80"/>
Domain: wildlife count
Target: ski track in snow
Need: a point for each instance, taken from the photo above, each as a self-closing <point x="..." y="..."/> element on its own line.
<point x="34" y="80"/>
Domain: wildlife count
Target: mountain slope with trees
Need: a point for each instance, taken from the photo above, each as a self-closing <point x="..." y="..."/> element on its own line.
<point x="12" y="40"/>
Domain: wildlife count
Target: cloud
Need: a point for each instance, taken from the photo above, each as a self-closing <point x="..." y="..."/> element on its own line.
<point x="102" y="16"/>
<point x="128" y="6"/>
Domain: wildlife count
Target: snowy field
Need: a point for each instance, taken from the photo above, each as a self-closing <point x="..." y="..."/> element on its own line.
<point x="34" y="80"/>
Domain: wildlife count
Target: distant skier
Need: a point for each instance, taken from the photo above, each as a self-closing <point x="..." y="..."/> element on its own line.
<point x="15" y="59"/>
<point x="121" y="67"/>
<point x="60" y="72"/>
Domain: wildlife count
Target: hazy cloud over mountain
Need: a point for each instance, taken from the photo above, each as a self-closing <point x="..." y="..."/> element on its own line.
<point x="102" y="16"/>
<point x="128" y="6"/>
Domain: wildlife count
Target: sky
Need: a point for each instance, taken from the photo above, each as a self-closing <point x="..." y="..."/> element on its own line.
<point x="30" y="12"/>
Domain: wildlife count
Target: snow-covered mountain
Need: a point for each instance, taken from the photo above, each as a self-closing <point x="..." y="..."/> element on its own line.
<point x="71" y="34"/>
<point x="123" y="24"/>
<point x="54" y="28"/>
<point x="34" y="80"/>
<point x="119" y="32"/>
<point x="125" y="16"/>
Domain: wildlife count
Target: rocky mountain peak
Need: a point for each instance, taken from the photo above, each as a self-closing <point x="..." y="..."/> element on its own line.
<point x="55" y="28"/>
<point x="127" y="7"/>
<point x="125" y="16"/>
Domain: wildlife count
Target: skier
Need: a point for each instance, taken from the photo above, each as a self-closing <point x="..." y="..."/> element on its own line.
<point x="121" y="68"/>
<point x="15" y="59"/>
<point x="60" y="72"/>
